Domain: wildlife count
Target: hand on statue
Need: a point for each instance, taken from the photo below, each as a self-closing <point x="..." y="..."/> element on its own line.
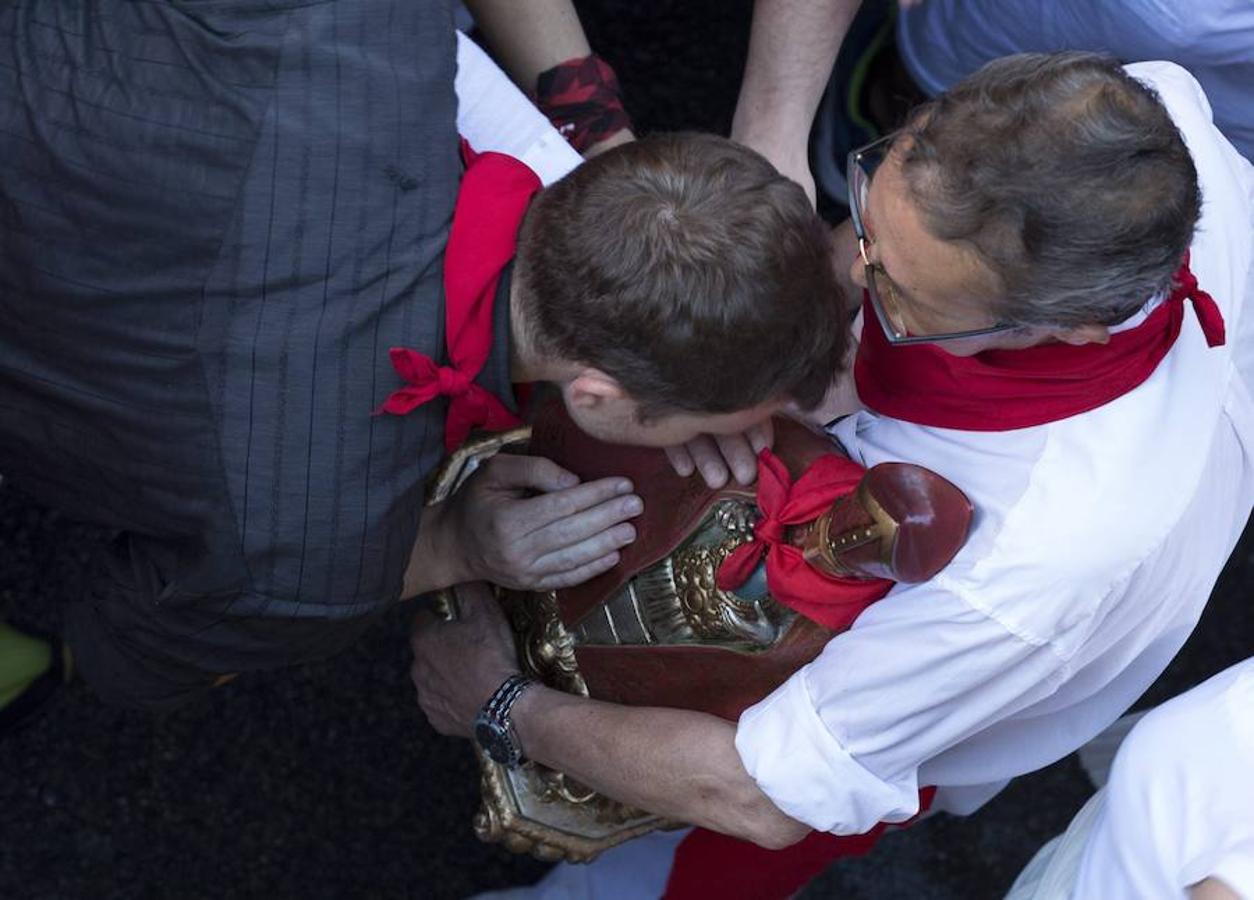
<point x="457" y="665"/>
<point x="718" y="457"/>
<point x="524" y="522"/>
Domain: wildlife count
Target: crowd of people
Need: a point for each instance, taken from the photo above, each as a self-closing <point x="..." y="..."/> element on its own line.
<point x="264" y="265"/>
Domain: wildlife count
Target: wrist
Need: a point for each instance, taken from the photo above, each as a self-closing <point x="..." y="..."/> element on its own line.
<point x="494" y="729"/>
<point x="437" y="560"/>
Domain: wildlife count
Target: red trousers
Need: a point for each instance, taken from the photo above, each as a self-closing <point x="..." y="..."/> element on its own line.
<point x="708" y="864"/>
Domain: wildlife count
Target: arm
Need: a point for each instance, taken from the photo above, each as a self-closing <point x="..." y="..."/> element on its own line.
<point x="527" y="44"/>
<point x="676" y="763"/>
<point x="792" y="48"/>
<point x="672" y="762"/>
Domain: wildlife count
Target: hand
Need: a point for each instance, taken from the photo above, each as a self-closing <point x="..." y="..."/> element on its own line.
<point x="457" y="665"/>
<point x="500" y="531"/>
<point x="714" y="455"/>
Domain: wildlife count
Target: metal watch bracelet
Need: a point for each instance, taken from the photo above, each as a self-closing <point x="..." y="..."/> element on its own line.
<point x="494" y="729"/>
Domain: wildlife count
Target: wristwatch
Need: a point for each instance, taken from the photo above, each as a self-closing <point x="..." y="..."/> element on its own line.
<point x="494" y="731"/>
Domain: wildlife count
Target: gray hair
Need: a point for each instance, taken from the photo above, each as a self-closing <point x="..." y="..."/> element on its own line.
<point x="1067" y="177"/>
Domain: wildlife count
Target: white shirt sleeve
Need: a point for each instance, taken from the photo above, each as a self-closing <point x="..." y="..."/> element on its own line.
<point x="494" y="115"/>
<point x="839" y="745"/>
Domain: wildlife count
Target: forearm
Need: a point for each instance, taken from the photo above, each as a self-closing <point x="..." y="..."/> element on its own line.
<point x="676" y="763"/>
<point x="527" y="44"/>
<point x="433" y="561"/>
<point x="792" y="47"/>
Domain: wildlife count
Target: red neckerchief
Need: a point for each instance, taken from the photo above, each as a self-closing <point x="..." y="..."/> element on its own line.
<point x="491" y="201"/>
<point x="831" y="601"/>
<point x="1001" y="390"/>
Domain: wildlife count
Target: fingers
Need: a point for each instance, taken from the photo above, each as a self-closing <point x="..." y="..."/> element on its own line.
<point x="761" y="436"/>
<point x="681" y="461"/>
<point x="540" y="512"/>
<point x="708" y="460"/>
<point x="507" y="470"/>
<point x="739" y="456"/>
<point x="599" y="545"/>
<point x="583" y="524"/>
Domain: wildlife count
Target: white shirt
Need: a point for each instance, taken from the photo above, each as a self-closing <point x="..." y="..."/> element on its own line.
<point x="1179" y="806"/>
<point x="1096" y="544"/>
<point x="943" y="41"/>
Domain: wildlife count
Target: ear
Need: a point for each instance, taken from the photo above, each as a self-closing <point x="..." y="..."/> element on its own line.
<point x="1083" y="334"/>
<point x="592" y="388"/>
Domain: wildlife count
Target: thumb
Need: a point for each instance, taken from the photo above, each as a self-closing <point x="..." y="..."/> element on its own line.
<point x="534" y="472"/>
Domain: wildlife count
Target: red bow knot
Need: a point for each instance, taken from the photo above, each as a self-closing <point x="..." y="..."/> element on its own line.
<point x="1204" y="305"/>
<point x="831" y="601"/>
<point x="452" y="382"/>
<point x="470" y="405"/>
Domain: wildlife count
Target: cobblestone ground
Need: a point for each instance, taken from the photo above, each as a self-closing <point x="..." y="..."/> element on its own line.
<point x="324" y="782"/>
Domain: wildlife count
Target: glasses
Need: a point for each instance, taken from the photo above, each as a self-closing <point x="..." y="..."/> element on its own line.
<point x="880" y="288"/>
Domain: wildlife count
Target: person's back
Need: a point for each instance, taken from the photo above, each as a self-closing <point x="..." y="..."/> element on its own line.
<point x="1173" y="818"/>
<point x="180" y="319"/>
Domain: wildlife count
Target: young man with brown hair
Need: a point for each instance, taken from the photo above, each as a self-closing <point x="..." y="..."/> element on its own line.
<point x="192" y="348"/>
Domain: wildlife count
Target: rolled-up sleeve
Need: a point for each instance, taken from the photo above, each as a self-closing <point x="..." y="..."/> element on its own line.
<point x="839" y="746"/>
<point x="817" y="781"/>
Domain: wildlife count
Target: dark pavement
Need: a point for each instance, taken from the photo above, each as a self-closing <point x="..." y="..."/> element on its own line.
<point x="324" y="781"/>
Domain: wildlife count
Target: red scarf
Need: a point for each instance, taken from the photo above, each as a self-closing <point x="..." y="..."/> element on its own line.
<point x="493" y="197"/>
<point x="1001" y="390"/>
<point x="831" y="601"/>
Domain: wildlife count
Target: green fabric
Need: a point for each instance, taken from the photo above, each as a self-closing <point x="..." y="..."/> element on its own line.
<point x="22" y="660"/>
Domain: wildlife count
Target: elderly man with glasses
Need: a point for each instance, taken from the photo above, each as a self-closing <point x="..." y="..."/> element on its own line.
<point x="1053" y="258"/>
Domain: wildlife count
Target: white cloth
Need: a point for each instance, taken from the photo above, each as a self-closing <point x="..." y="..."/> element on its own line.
<point x="636" y="870"/>
<point x="1179" y="807"/>
<point x="943" y="41"/>
<point x="494" y="115"/>
<point x="1051" y="873"/>
<point x="1096" y="543"/>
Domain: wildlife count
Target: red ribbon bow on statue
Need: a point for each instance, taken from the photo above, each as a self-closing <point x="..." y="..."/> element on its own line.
<point x="826" y="599"/>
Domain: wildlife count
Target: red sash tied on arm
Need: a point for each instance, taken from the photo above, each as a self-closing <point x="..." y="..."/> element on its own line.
<point x="493" y="197"/>
<point x="826" y="599"/>
<point x="1001" y="390"/>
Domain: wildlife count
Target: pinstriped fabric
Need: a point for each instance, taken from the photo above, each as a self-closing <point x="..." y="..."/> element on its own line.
<point x="217" y="217"/>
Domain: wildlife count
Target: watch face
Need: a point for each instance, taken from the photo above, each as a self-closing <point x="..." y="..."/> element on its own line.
<point x="494" y="741"/>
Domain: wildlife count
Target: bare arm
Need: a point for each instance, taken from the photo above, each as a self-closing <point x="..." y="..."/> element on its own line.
<point x="527" y="44"/>
<point x="792" y="47"/>
<point x="677" y="763"/>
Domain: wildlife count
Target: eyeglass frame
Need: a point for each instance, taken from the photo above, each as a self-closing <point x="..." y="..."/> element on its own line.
<point x="854" y="169"/>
